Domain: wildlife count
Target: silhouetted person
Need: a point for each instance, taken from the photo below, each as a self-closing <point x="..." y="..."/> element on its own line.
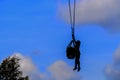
<point x="77" y="53"/>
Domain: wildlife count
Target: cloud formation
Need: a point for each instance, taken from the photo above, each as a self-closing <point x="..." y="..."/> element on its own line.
<point x="28" y="68"/>
<point x="113" y="71"/>
<point x="101" y="12"/>
<point x="59" y="70"/>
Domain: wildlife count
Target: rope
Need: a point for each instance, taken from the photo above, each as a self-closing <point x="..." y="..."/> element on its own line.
<point x="74" y="16"/>
<point x="72" y="20"/>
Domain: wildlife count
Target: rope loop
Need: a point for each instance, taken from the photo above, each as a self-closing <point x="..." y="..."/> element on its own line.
<point x="72" y="17"/>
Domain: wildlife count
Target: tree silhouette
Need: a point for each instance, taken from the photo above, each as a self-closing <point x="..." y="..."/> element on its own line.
<point x="9" y="69"/>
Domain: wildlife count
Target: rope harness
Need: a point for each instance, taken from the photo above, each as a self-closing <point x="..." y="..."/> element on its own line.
<point x="72" y="17"/>
<point x="71" y="50"/>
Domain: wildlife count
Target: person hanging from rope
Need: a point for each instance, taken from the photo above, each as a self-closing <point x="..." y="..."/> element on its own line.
<point x="73" y="51"/>
<point x="77" y="53"/>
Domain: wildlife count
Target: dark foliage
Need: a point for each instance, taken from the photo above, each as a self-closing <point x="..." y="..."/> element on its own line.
<point x="9" y="69"/>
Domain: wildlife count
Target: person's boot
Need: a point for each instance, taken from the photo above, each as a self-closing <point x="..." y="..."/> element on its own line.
<point x="79" y="67"/>
<point x="74" y="68"/>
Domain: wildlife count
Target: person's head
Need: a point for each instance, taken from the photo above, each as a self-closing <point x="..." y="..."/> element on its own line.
<point x="78" y="43"/>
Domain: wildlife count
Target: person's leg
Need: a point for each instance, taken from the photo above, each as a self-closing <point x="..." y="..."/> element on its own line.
<point x="75" y="64"/>
<point x="78" y="63"/>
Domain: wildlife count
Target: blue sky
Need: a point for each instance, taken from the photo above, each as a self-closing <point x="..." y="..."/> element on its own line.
<point x="34" y="29"/>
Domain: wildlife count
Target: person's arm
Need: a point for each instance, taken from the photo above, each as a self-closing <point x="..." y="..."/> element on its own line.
<point x="70" y="43"/>
<point x="74" y="41"/>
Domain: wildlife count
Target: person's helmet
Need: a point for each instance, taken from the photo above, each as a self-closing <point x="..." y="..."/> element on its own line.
<point x="78" y="43"/>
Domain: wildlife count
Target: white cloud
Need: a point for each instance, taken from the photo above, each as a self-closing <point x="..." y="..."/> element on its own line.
<point x="59" y="70"/>
<point x="102" y="12"/>
<point x="117" y="56"/>
<point x="113" y="71"/>
<point x="28" y="68"/>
